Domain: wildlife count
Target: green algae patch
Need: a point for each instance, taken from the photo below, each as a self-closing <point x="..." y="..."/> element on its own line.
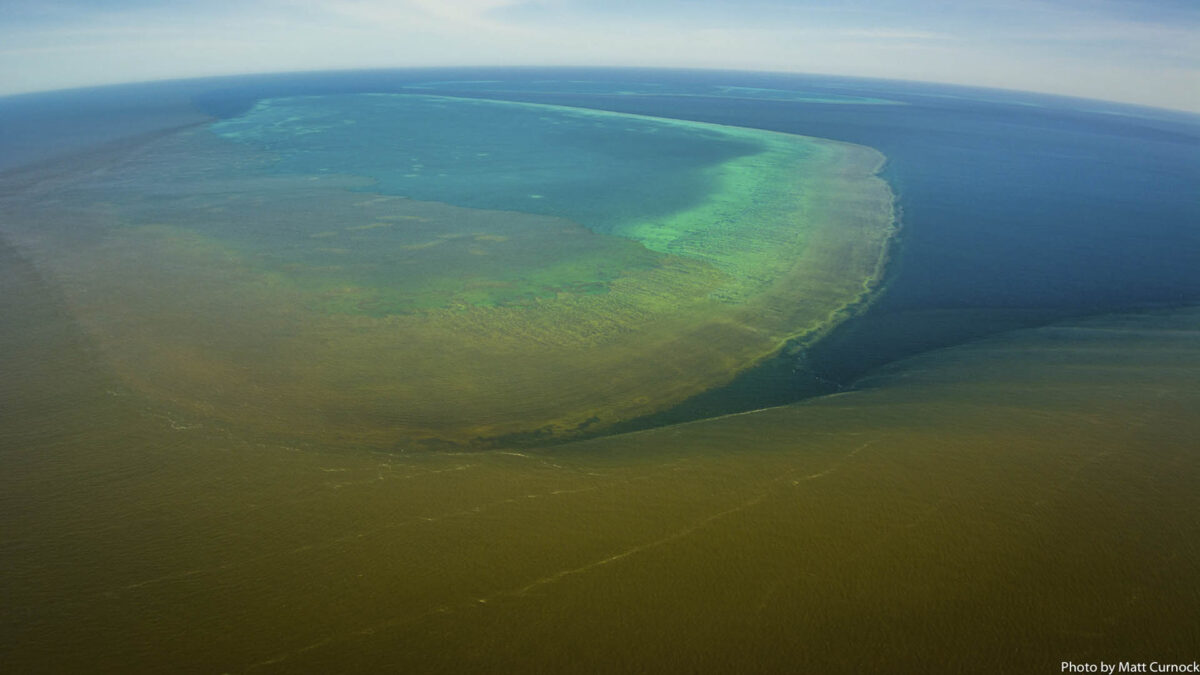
<point x="321" y="306"/>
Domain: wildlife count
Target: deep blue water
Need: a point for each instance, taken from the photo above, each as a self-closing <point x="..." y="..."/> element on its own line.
<point x="1018" y="209"/>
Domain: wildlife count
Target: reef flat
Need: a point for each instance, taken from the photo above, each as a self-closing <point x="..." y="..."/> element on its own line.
<point x="403" y="270"/>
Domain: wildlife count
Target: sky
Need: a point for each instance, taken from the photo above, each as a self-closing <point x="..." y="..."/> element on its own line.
<point x="1136" y="51"/>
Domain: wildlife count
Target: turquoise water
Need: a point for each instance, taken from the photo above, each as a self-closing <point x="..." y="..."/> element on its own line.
<point x="600" y="171"/>
<point x="399" y="269"/>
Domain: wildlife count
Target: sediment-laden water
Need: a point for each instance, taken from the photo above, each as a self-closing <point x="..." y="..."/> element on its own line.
<point x="193" y="477"/>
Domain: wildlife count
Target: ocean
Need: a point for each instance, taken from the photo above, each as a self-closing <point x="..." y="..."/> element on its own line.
<point x="983" y="459"/>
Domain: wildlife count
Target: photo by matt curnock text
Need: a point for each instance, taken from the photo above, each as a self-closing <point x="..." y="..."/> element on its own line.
<point x="1130" y="667"/>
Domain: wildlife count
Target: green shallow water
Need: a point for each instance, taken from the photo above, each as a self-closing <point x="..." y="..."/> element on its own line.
<point x="997" y="507"/>
<point x="407" y="271"/>
<point x="598" y="169"/>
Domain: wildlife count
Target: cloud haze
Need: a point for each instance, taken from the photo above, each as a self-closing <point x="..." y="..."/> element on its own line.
<point x="1139" y="52"/>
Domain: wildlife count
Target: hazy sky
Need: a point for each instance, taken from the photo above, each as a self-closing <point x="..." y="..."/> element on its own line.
<point x="1140" y="51"/>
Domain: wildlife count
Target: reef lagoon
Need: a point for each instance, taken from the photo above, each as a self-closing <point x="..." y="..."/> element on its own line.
<point x="340" y="372"/>
<point x="404" y="270"/>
